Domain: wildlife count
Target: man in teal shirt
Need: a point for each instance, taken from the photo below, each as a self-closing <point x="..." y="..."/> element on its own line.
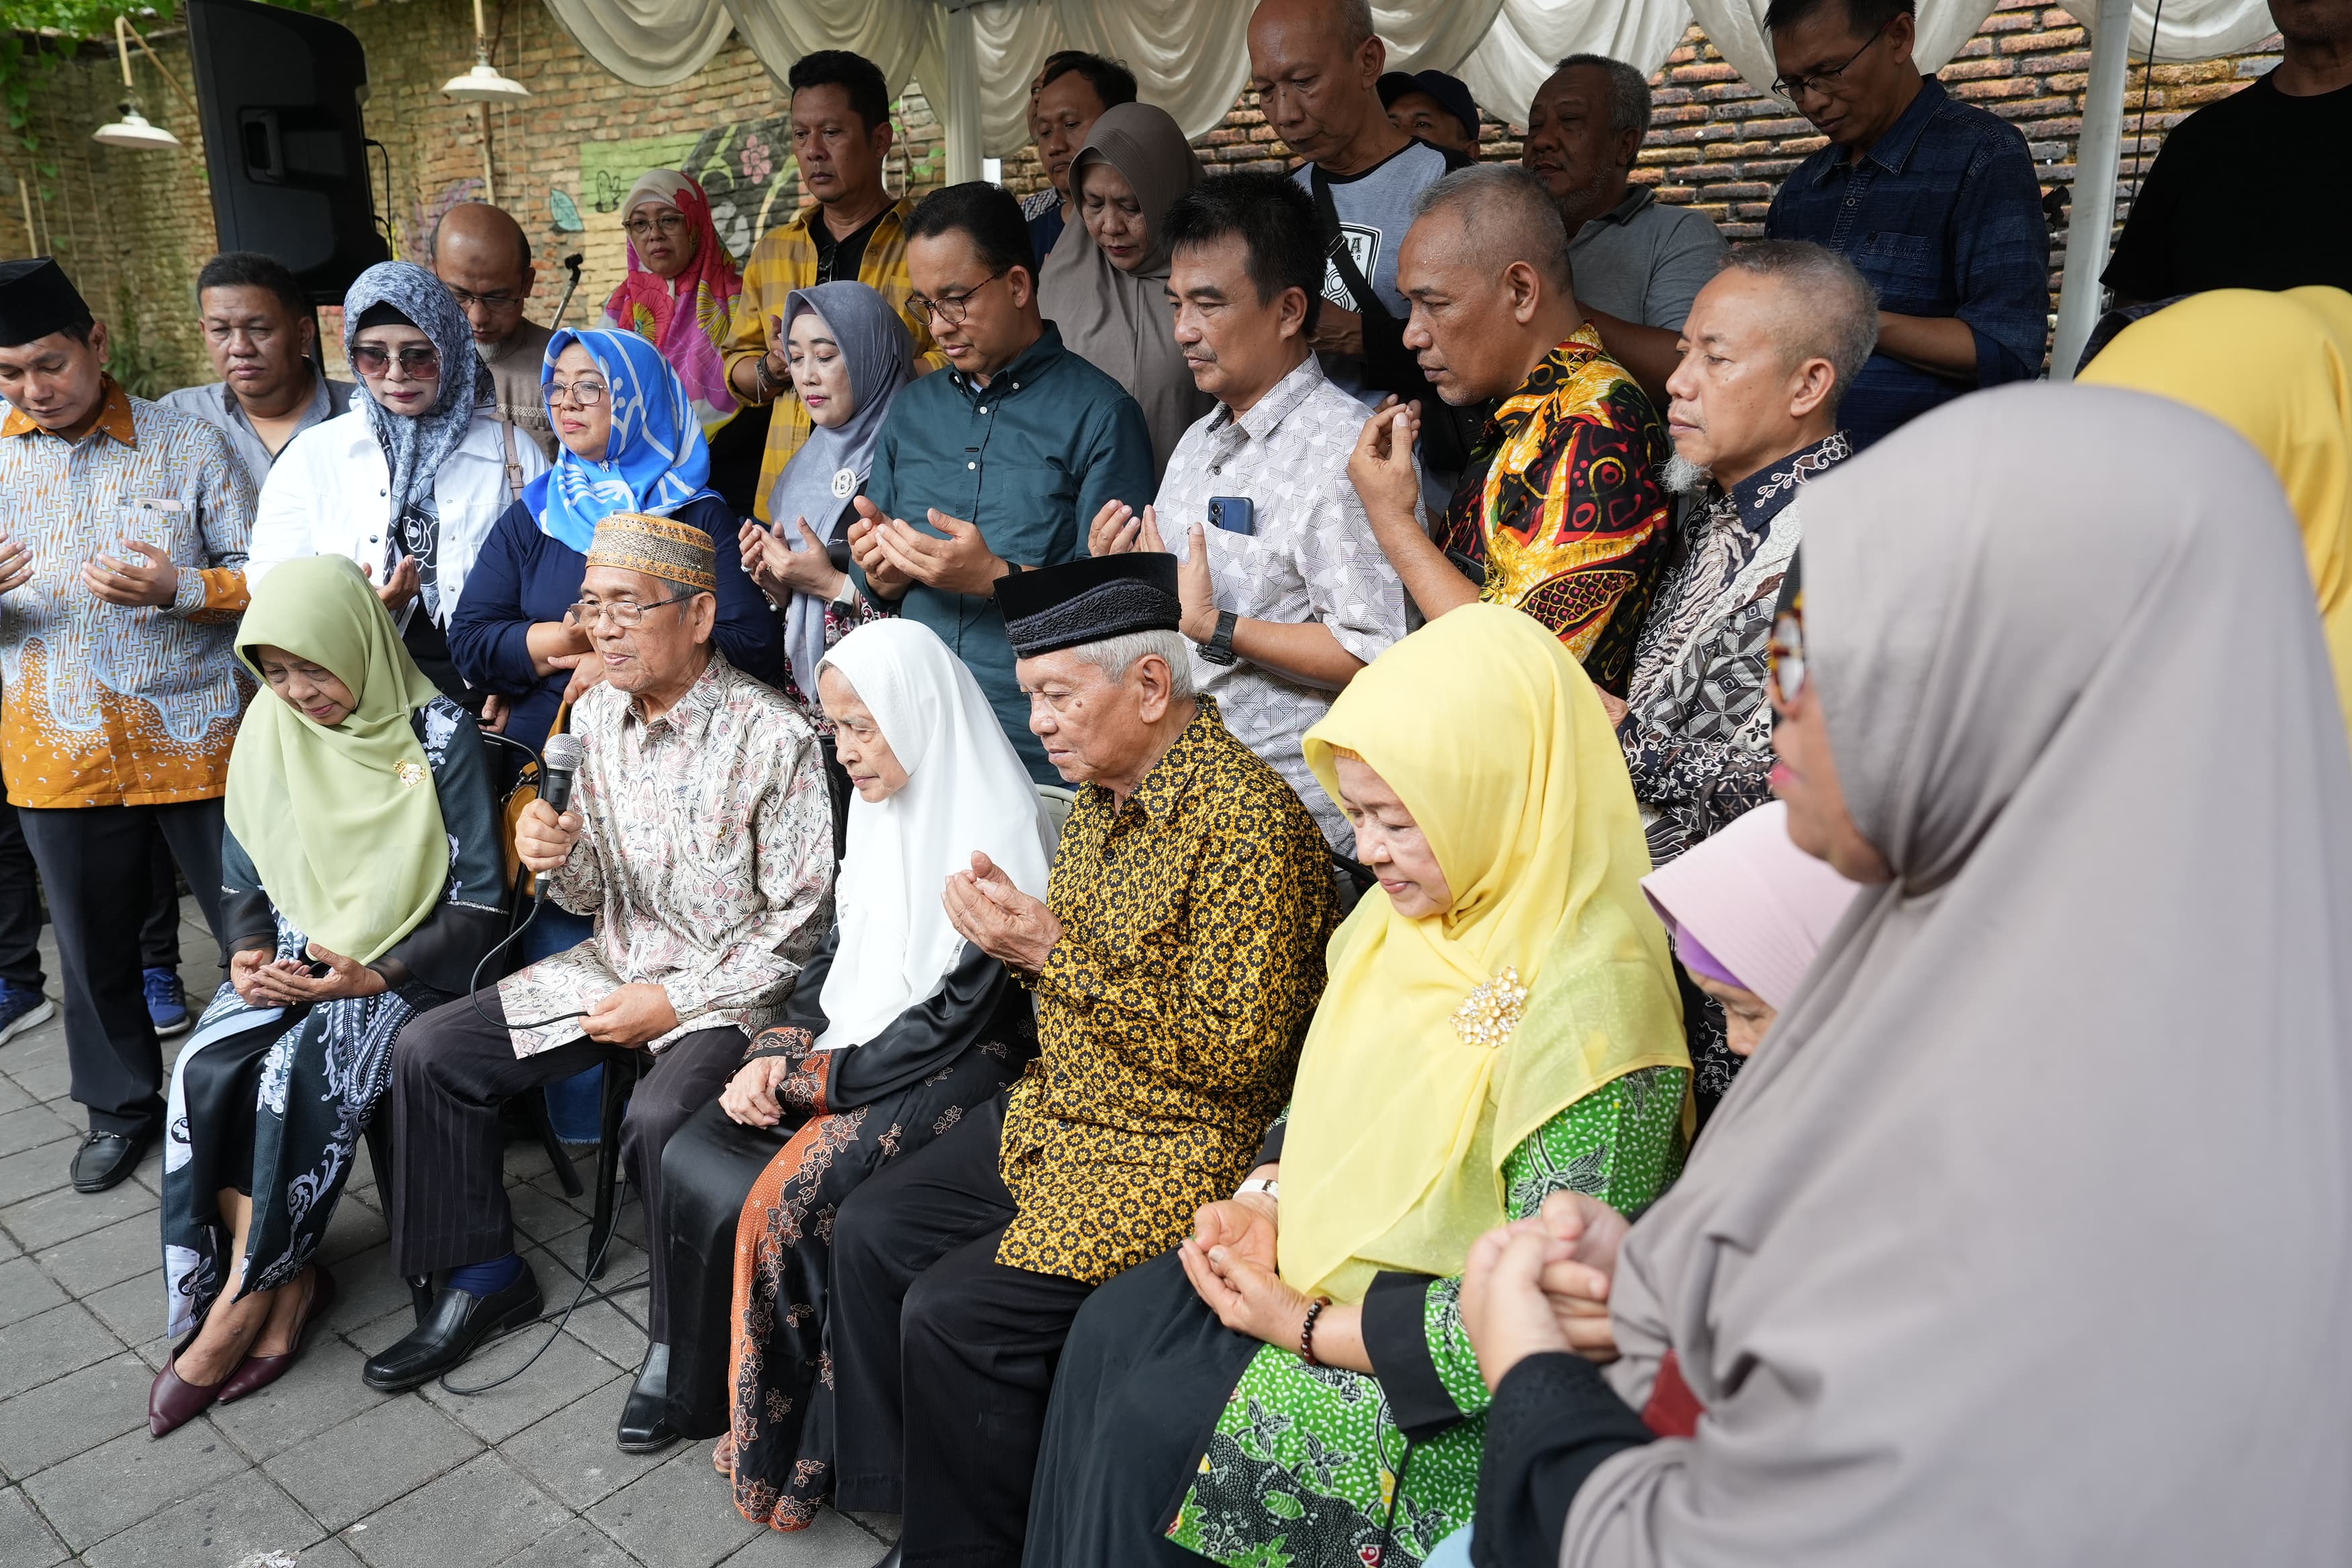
<point x="1004" y="456"/>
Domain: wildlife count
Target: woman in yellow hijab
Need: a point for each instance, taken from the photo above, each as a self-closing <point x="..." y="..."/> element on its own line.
<point x="2277" y="369"/>
<point x="1500" y="1024"/>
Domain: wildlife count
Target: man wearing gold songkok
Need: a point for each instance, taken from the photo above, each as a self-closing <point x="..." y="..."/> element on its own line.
<point x="700" y="836"/>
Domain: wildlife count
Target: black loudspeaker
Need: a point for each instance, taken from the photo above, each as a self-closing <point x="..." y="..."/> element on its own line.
<point x="281" y="93"/>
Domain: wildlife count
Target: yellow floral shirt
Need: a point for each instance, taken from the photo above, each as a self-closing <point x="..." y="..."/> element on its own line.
<point x="1170" y="1013"/>
<point x="99" y="704"/>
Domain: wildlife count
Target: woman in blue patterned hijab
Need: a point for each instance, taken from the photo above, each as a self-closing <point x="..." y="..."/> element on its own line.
<point x="655" y="460"/>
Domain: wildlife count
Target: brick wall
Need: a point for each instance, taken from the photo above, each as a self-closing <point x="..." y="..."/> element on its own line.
<point x="134" y="227"/>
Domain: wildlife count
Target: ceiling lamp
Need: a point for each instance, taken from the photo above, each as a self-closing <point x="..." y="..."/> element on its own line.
<point x="483" y="84"/>
<point x="132" y="131"/>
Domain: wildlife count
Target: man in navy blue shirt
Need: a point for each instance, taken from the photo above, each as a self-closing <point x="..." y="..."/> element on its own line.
<point x="1934" y="201"/>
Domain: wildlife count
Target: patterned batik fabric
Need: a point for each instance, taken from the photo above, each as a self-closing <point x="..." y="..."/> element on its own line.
<point x="1307" y="1465"/>
<point x="1312" y="561"/>
<point x="106" y="705"/>
<point x="782" y="1426"/>
<point x="1171" y="1011"/>
<point x="328" y="1065"/>
<point x="1698" y="732"/>
<point x="1563" y="511"/>
<point x="706" y="857"/>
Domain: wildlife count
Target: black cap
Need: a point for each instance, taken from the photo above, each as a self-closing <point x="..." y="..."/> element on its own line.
<point x="1086" y="601"/>
<point x="36" y="299"/>
<point x="1453" y="95"/>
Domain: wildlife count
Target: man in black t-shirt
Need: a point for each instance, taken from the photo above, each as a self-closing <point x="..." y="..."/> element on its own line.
<point x="2255" y="191"/>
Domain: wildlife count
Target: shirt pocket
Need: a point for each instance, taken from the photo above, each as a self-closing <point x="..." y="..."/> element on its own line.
<point x="1900" y="266"/>
<point x="165" y="523"/>
<point x="1029" y="508"/>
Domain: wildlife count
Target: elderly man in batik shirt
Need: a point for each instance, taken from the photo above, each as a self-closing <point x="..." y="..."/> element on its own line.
<point x="700" y="837"/>
<point x="1175" y="964"/>
<point x="123" y="532"/>
<point x="1562" y="513"/>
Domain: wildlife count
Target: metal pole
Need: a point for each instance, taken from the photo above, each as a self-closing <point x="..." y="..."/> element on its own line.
<point x="2097" y="159"/>
<point x="960" y="115"/>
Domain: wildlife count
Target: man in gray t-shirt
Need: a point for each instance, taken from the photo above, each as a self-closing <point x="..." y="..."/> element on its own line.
<point x="1638" y="263"/>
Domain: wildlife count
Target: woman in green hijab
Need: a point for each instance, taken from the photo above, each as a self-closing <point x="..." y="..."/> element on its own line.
<point x="364" y="880"/>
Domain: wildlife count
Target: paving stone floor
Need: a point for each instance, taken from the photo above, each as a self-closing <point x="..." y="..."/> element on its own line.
<point x="318" y="1471"/>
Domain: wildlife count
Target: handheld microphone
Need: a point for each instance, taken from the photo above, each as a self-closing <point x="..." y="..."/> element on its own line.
<point x="559" y="769"/>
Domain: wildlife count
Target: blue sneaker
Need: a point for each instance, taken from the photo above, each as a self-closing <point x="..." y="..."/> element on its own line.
<point x="22" y="1010"/>
<point x="167" y="1003"/>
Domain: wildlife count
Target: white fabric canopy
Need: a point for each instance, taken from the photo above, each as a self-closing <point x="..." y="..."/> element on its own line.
<point x="647" y="43"/>
<point x="1735" y="28"/>
<point x="2194" y="29"/>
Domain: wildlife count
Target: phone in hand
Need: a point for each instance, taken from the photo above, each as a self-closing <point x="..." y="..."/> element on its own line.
<point x="1234" y="514"/>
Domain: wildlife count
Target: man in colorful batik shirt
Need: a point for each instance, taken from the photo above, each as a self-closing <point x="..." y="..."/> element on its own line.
<point x="122" y="576"/>
<point x="1562" y="513"/>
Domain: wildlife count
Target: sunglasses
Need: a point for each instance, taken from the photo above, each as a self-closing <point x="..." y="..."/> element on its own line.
<point x="420" y="362"/>
<point x="1785" y="655"/>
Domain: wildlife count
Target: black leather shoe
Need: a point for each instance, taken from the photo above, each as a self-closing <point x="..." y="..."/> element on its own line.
<point x="461" y="1320"/>
<point x="104" y="1160"/>
<point x="644" y="1419"/>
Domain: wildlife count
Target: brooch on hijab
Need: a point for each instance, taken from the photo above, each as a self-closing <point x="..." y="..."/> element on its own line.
<point x="1488" y="1014"/>
<point x="845" y="483"/>
<point x="411" y="774"/>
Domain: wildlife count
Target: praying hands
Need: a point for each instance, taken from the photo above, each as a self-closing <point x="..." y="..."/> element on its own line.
<point x="151" y="581"/>
<point x="998" y="918"/>
<point x="960" y="564"/>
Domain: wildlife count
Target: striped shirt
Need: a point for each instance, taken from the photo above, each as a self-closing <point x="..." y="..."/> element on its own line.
<point x="785" y="260"/>
<point x="106" y="705"/>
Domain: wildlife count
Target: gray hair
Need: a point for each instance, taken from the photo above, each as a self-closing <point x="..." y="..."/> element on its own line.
<point x="1628" y="94"/>
<point x="1507" y="215"/>
<point x="1116" y="656"/>
<point x="1833" y="313"/>
<point x="1355" y="23"/>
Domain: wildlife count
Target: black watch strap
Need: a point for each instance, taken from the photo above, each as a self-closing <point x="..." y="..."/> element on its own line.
<point x="1218" y="648"/>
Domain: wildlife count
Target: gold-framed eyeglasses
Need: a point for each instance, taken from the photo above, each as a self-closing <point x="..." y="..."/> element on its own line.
<point x="625" y="614"/>
<point x="578" y="394"/>
<point x="1823" y="80"/>
<point x="644" y="228"/>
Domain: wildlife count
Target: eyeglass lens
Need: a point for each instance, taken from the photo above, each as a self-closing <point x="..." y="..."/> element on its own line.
<point x="421" y="361"/>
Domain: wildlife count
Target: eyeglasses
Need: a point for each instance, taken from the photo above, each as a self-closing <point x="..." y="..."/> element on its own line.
<point x="1784" y="656"/>
<point x="497" y="304"/>
<point x="1823" y="81"/>
<point x="578" y="394"/>
<point x="642" y="228"/>
<point x="626" y="614"/>
<point x="951" y="308"/>
<point x="418" y="361"/>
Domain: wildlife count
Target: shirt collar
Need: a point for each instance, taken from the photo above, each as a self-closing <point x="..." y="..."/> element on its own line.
<point x="1266" y="415"/>
<point x="690" y="714"/>
<point x="1636" y="198"/>
<point x="1163" y="787"/>
<point x="1026" y="366"/>
<point x="321" y="406"/>
<point x="1893" y="150"/>
<point x="113" y="417"/>
<point x="1762" y="494"/>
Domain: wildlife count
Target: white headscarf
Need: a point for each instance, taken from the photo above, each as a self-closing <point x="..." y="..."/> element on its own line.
<point x="966" y="789"/>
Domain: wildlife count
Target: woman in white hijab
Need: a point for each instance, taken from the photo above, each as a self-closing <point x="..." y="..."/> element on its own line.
<point x="2026" y="1237"/>
<point x="896" y="1027"/>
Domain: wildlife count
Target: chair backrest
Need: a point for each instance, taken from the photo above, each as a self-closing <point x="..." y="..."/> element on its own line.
<point x="1059" y="802"/>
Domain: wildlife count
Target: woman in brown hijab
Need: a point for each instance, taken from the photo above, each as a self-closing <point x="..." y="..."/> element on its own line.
<point x="1105" y="285"/>
<point x="2026" y="1236"/>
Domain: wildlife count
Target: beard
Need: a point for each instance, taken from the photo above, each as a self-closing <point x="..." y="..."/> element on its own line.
<point x="1682" y="477"/>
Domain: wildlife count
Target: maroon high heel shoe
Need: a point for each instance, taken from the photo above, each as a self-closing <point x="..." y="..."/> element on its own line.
<point x="173" y="1401"/>
<point x="259" y="1372"/>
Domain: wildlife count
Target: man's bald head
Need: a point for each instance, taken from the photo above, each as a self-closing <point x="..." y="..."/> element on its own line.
<point x="1345" y="26"/>
<point x="1498" y="214"/>
<point x="1316" y="65"/>
<point x="483" y="257"/>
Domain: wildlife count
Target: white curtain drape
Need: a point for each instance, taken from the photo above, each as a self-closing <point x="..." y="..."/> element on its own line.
<point x="1529" y="36"/>
<point x="2194" y="29"/>
<point x="647" y="43"/>
<point x="1735" y="28"/>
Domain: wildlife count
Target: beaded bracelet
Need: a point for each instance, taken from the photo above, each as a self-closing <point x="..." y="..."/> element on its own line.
<point x="1306" y="1330"/>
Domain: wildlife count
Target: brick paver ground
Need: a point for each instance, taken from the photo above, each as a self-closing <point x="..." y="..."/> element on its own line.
<point x="318" y="1471"/>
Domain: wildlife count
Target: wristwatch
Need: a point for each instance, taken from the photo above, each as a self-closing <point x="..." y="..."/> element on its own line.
<point x="1265" y="1185"/>
<point x="1218" y="648"/>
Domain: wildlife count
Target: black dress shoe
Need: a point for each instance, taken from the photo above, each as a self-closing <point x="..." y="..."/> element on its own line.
<point x="460" y="1320"/>
<point x="644" y="1419"/>
<point x="104" y="1159"/>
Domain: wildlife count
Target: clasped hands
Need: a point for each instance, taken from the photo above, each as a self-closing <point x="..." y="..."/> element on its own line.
<point x="1541" y="1284"/>
<point x="998" y="918"/>
<point x="1117" y="530"/>
<point x="894" y="554"/>
<point x="264" y="980"/>
<point x="1230" y="1260"/>
<point x="151" y="580"/>
<point x="779" y="569"/>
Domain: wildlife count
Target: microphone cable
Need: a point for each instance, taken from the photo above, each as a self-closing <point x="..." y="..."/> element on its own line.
<point x="538" y="901"/>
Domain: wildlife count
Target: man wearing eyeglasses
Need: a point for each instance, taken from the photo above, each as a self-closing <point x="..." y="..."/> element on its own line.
<point x="998" y="465"/>
<point x="483" y="257"/>
<point x="1934" y="201"/>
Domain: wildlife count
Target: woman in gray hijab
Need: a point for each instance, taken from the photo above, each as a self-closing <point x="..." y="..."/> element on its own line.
<point x="1106" y="284"/>
<point x="851" y="356"/>
<point x="2026" y="1236"/>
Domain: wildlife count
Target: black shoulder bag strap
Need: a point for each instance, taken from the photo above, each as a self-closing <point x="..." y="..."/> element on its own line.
<point x="1335" y="245"/>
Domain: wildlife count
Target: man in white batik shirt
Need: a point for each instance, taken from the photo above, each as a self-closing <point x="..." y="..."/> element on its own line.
<point x="1286" y="594"/>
